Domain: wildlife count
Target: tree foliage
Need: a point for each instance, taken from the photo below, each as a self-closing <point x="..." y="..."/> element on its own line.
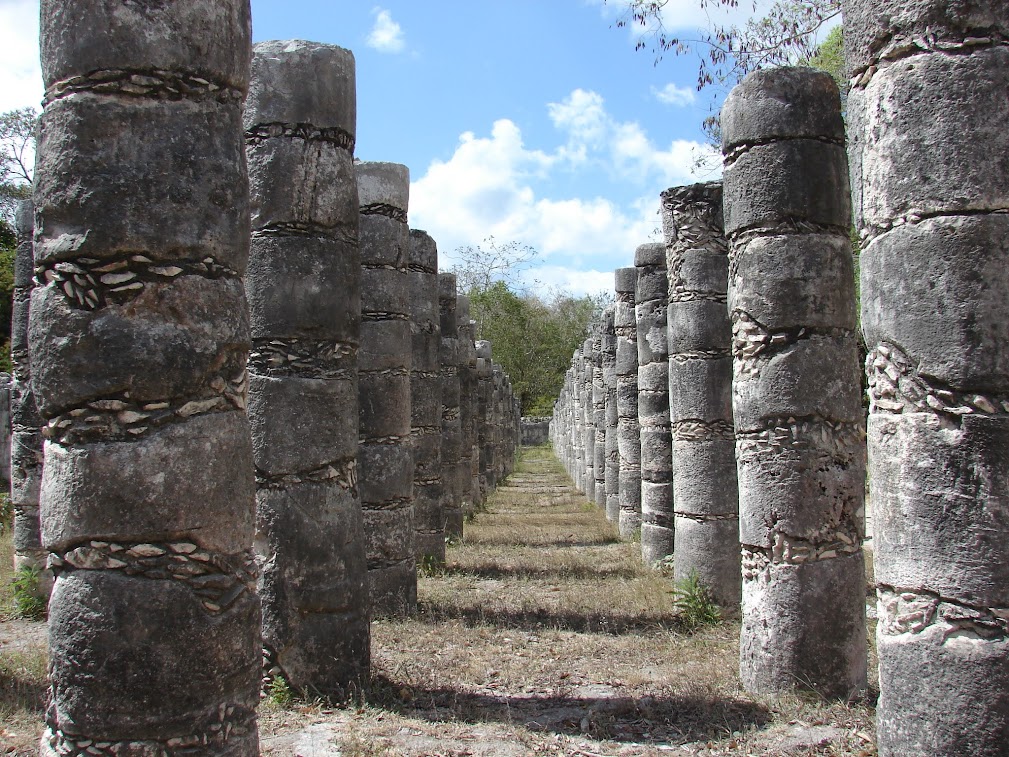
<point x="532" y="337"/>
<point x="17" y="152"/>
<point x="786" y="34"/>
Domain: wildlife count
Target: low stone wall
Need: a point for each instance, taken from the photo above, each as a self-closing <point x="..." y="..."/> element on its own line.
<point x="535" y="430"/>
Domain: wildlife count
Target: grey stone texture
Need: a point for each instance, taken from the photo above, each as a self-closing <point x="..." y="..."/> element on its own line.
<point x="451" y="422"/>
<point x="650" y="296"/>
<point x="796" y="390"/>
<point x="26" y="452"/>
<point x="611" y="478"/>
<point x="304" y="284"/>
<point x="469" y="494"/>
<point x="598" y="417"/>
<point x="385" y="454"/>
<point x="425" y="391"/>
<point x="628" y="429"/>
<point x="535" y="431"/>
<point x="138" y="337"/>
<point x="930" y="174"/>
<point x="700" y="393"/>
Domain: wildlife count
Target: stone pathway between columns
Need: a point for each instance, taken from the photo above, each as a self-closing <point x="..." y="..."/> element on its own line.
<point x="543" y="635"/>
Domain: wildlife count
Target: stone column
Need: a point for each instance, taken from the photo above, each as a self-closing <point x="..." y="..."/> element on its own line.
<point x="467" y="387"/>
<point x="26" y="423"/>
<point x="653" y="404"/>
<point x="138" y="339"/>
<point x="628" y="430"/>
<point x="304" y="298"/>
<point x="484" y="408"/>
<point x="385" y="454"/>
<point x="928" y="149"/>
<point x="796" y="389"/>
<point x="611" y="443"/>
<point x="599" y="416"/>
<point x="451" y="424"/>
<point x="425" y="390"/>
<point x="588" y="427"/>
<point x="700" y="393"/>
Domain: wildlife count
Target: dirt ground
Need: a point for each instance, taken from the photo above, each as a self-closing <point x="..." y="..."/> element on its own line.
<point x="543" y="635"/>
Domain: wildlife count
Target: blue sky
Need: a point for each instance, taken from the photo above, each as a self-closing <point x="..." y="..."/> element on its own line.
<point x="532" y="121"/>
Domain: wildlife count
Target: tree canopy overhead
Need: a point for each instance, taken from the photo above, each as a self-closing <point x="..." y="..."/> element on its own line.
<point x="787" y="33"/>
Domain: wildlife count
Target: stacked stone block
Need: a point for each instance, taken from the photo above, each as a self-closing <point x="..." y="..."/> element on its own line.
<point x="927" y="114"/>
<point x="425" y="390"/>
<point x="138" y="339"/>
<point x="385" y="453"/>
<point x="796" y="389"/>
<point x="467" y="406"/>
<point x="610" y="443"/>
<point x="628" y="429"/>
<point x="599" y="416"/>
<point x="700" y="393"/>
<point x="451" y="423"/>
<point x="587" y="423"/>
<point x="653" y="404"/>
<point x="26" y="423"/>
<point x="303" y="285"/>
<point x="484" y="378"/>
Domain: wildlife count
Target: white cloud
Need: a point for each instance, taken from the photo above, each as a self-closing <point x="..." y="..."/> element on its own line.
<point x="550" y="278"/>
<point x="19" y="55"/>
<point x="492" y="186"/>
<point x="386" y="35"/>
<point x="674" y="95"/>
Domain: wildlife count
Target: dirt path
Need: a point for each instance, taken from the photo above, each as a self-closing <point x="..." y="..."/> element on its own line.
<point x="544" y="635"/>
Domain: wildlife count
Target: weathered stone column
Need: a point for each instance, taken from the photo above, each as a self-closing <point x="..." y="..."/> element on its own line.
<point x="425" y="390"/>
<point x="138" y="340"/>
<point x="467" y="387"/>
<point x="26" y="423"/>
<point x="599" y="416"/>
<point x="484" y="409"/>
<point x="588" y="427"/>
<point x="451" y="424"/>
<point x="385" y="454"/>
<point x="610" y="443"/>
<point x="653" y="404"/>
<point x="928" y="114"/>
<point x="700" y="393"/>
<point x="628" y="429"/>
<point x="304" y="298"/>
<point x="796" y="389"/>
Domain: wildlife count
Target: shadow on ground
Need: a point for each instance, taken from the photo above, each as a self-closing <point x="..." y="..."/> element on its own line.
<point x="538" y="619"/>
<point x="617" y="718"/>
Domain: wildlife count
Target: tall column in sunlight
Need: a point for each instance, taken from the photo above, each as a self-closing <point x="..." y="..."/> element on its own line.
<point x="588" y="422"/>
<point x="612" y="458"/>
<point x="451" y="425"/>
<point x="598" y="416"/>
<point x="484" y="396"/>
<point x="653" y="404"/>
<point x="628" y="431"/>
<point x="700" y="393"/>
<point x="425" y="406"/>
<point x="385" y="453"/>
<point x="138" y="340"/>
<point x="929" y="146"/>
<point x="304" y="299"/>
<point x="467" y="389"/>
<point x="796" y="396"/>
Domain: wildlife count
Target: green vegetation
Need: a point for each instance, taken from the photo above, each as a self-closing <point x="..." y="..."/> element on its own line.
<point x="532" y="337"/>
<point x="29" y="604"/>
<point x="694" y="604"/>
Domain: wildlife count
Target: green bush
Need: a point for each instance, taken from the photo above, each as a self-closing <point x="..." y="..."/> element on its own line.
<point x="29" y="602"/>
<point x="694" y="604"/>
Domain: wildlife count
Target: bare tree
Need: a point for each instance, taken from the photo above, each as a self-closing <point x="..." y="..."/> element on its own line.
<point x="17" y="153"/>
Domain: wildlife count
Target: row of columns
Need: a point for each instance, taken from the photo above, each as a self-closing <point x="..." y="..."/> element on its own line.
<point x="737" y="395"/>
<point x="259" y="407"/>
<point x="930" y="202"/>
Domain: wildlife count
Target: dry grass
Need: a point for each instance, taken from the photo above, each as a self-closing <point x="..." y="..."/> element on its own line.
<point x="542" y="635"/>
<point x="23" y="662"/>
